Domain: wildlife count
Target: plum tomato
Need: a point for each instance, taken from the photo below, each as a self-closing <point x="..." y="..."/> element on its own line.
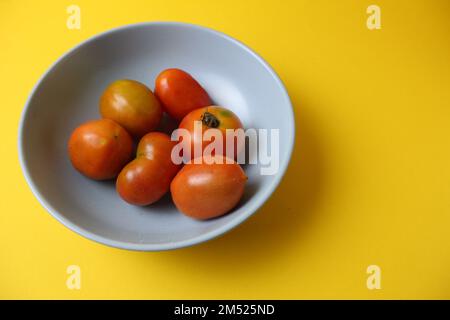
<point x="100" y="148"/>
<point x="147" y="178"/>
<point x="180" y="93"/>
<point x="132" y="105"/>
<point x="204" y="191"/>
<point x="211" y="117"/>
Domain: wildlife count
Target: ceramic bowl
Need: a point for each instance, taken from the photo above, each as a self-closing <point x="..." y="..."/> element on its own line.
<point x="68" y="94"/>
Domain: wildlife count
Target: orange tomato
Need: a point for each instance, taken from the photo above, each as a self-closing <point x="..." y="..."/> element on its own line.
<point x="132" y="105"/>
<point x="204" y="191"/>
<point x="211" y="117"/>
<point x="99" y="149"/>
<point x="180" y="93"/>
<point x="147" y="178"/>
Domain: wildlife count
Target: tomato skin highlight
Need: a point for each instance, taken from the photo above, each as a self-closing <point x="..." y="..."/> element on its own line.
<point x="223" y="119"/>
<point x="99" y="149"/>
<point x="132" y="105"/>
<point x="147" y="178"/>
<point x="180" y="93"/>
<point x="205" y="191"/>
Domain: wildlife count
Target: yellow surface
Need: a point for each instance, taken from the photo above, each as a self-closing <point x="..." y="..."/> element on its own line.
<point x="369" y="181"/>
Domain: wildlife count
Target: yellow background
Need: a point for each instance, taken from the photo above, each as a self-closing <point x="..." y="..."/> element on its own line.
<point x="369" y="181"/>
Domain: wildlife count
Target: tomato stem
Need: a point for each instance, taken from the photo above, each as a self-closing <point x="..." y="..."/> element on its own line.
<point x="210" y="120"/>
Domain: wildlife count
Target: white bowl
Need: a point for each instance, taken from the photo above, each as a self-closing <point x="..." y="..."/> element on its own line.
<point x="68" y="95"/>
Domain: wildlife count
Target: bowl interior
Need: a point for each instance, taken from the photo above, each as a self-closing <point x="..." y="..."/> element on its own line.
<point x="68" y="95"/>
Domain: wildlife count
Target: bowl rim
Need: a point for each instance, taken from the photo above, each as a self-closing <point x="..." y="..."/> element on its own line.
<point x="255" y="205"/>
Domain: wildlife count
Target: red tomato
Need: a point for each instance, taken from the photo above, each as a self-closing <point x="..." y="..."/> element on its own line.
<point x="132" y="105"/>
<point x="147" y="178"/>
<point x="99" y="149"/>
<point x="204" y="191"/>
<point x="180" y="93"/>
<point x="212" y="117"/>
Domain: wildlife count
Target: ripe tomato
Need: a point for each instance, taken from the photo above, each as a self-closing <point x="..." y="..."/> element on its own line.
<point x="132" y="105"/>
<point x="204" y="191"/>
<point x="180" y="93"/>
<point x="147" y="178"/>
<point x="99" y="149"/>
<point x="211" y="117"/>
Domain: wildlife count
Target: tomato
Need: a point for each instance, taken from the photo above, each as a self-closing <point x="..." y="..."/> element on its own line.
<point x="99" y="149"/>
<point x="132" y="105"/>
<point x="212" y="117"/>
<point x="147" y="178"/>
<point x="180" y="93"/>
<point x="204" y="191"/>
